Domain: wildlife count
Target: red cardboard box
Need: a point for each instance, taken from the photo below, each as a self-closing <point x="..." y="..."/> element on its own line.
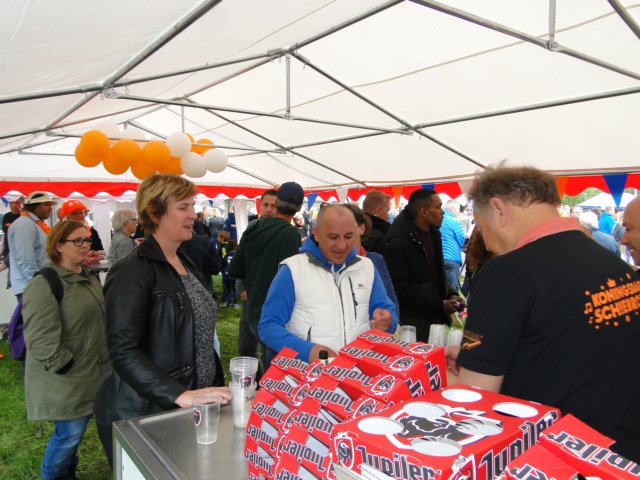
<point x="374" y="382"/>
<point x="305" y="449"/>
<point x="287" y="362"/>
<point x="270" y="407"/>
<point x="538" y="463"/>
<point x="343" y="400"/>
<point x="458" y="431"/>
<point x="587" y="450"/>
<point x="261" y="463"/>
<point x="421" y="366"/>
<point x="281" y="384"/>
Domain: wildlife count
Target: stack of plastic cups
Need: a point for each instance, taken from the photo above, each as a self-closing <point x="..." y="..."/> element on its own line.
<point x="243" y="388"/>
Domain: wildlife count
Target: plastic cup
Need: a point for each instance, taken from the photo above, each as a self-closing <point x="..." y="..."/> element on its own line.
<point x="455" y="337"/>
<point x="437" y="335"/>
<point x="243" y="371"/>
<point x="408" y="333"/>
<point x="241" y="399"/>
<point x="206" y="414"/>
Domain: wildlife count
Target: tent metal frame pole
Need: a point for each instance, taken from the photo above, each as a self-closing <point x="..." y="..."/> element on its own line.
<point x="536" y="106"/>
<point x="94" y="87"/>
<point x="552" y="22"/>
<point x="626" y="18"/>
<point x="284" y="148"/>
<point x="287" y="113"/>
<point x="165" y="38"/>
<point x="255" y="113"/>
<point x="116" y="80"/>
<point x="386" y="112"/>
<point x="555" y="47"/>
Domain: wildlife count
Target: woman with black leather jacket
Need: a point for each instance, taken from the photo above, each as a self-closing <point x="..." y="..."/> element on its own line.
<point x="160" y="317"/>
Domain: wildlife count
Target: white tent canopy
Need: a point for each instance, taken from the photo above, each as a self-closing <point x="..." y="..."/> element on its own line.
<point x="329" y="93"/>
<point x="604" y="199"/>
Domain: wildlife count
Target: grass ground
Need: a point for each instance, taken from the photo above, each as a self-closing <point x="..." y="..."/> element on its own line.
<point x="22" y="443"/>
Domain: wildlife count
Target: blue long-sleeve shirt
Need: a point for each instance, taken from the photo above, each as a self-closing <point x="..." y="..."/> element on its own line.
<point x="280" y="302"/>
<point x="452" y="238"/>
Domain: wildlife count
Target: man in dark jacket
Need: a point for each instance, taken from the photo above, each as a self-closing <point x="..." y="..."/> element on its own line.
<point x="415" y="261"/>
<point x="264" y="244"/>
<point x="376" y="206"/>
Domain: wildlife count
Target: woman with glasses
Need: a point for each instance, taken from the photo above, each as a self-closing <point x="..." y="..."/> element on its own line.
<point x="124" y="223"/>
<point x="66" y="347"/>
<point x="160" y="318"/>
<point x="78" y="211"/>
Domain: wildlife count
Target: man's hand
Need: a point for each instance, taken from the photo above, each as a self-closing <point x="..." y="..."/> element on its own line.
<point x="381" y="319"/>
<point x="315" y="352"/>
<point x="451" y="353"/>
<point x="453" y="304"/>
<point x="243" y="296"/>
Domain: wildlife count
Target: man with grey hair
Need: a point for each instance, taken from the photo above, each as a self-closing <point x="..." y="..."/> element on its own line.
<point x="324" y="297"/>
<point x="265" y="243"/>
<point x="554" y="318"/>
<point x="589" y="220"/>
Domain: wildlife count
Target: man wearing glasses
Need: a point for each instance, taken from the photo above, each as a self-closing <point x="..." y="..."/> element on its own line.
<point x="27" y="238"/>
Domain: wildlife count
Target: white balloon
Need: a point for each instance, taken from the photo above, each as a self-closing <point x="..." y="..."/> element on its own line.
<point x="110" y="129"/>
<point x="192" y="164"/>
<point x="215" y="160"/>
<point x="134" y="133"/>
<point x="179" y="144"/>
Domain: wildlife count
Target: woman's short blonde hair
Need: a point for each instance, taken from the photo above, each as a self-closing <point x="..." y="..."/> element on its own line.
<point x="59" y="233"/>
<point x="154" y="195"/>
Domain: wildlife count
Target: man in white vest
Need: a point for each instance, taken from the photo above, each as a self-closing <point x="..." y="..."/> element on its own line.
<point x="324" y="297"/>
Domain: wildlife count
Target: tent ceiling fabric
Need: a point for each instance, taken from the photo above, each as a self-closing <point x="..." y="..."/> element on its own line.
<point x="329" y="93"/>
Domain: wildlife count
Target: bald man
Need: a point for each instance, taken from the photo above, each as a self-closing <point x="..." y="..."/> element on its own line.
<point x="324" y="297"/>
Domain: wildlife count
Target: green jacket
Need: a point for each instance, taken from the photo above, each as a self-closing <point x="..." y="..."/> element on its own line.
<point x="265" y="243"/>
<point x="66" y="346"/>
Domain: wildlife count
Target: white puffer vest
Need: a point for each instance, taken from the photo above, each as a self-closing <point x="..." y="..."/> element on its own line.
<point x="331" y="309"/>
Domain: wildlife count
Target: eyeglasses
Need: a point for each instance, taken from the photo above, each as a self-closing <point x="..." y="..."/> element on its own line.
<point x="78" y="241"/>
<point x="132" y="220"/>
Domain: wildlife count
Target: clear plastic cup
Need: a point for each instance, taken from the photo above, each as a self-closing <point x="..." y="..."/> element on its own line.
<point x="408" y="333"/>
<point x="241" y="399"/>
<point x="206" y="414"/>
<point x="243" y="371"/>
<point x="437" y="334"/>
<point x="455" y="337"/>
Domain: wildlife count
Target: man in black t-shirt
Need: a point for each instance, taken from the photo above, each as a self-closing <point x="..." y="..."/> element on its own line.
<point x="554" y="317"/>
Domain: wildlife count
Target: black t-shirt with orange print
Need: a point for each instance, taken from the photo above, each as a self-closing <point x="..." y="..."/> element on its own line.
<point x="560" y="319"/>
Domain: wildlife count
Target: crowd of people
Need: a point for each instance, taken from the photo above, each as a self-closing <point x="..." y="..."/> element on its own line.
<point x="538" y="289"/>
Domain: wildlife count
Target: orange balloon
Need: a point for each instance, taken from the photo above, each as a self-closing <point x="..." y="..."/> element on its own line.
<point x="201" y="150"/>
<point x="142" y="170"/>
<point x="126" y="152"/>
<point x="113" y="164"/>
<point x="172" y="166"/>
<point x="155" y="154"/>
<point x="95" y="143"/>
<point x="190" y="138"/>
<point x="85" y="159"/>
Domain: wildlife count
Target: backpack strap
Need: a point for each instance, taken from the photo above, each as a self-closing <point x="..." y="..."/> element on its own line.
<point x="54" y="281"/>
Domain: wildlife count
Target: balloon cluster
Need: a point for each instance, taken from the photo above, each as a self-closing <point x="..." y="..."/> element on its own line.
<point x="177" y="155"/>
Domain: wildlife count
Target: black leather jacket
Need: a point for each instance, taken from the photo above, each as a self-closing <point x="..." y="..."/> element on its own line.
<point x="150" y="336"/>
